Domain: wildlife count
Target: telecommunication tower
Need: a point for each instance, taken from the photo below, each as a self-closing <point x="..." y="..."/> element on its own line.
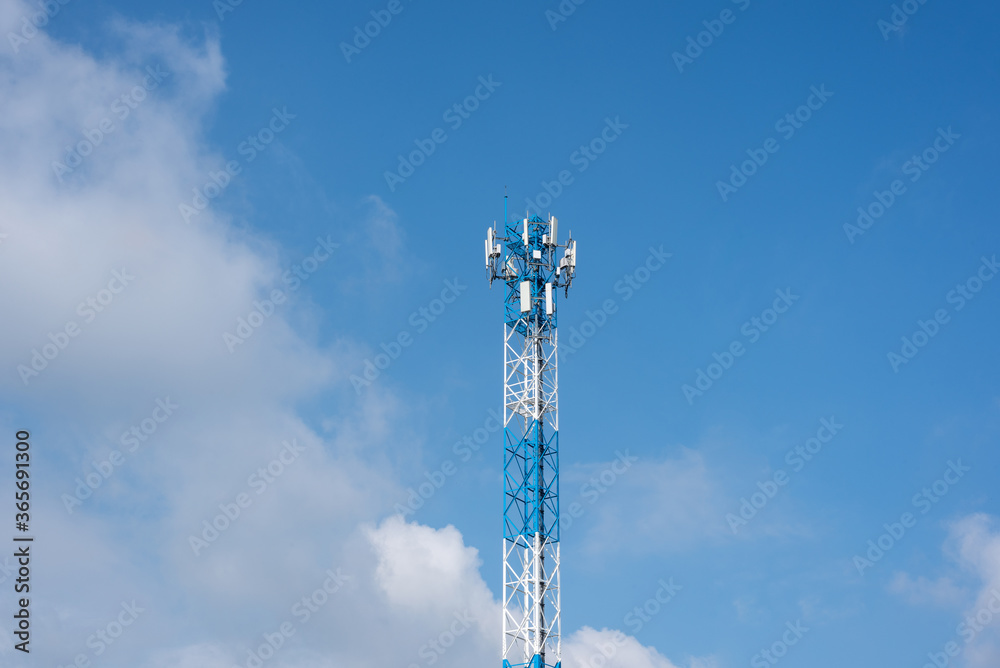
<point x="526" y="259"/>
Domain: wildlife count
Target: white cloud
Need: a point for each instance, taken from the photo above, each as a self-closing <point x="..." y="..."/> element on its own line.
<point x="589" y="648"/>
<point x="202" y="655"/>
<point x="116" y="211"/>
<point x="421" y="568"/>
<point x="974" y="542"/>
<point x="921" y="591"/>
<point x="608" y="648"/>
<point x="973" y="548"/>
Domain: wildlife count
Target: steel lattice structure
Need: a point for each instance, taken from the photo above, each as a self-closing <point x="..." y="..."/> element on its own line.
<point x="525" y="259"/>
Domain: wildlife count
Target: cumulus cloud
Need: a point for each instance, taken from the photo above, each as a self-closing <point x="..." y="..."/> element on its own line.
<point x="613" y="649"/>
<point x="609" y="648"/>
<point x="119" y="303"/>
<point x="973" y="552"/>
<point x="974" y="543"/>
<point x="420" y="567"/>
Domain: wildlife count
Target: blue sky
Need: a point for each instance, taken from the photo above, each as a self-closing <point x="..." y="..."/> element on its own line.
<point x="870" y="96"/>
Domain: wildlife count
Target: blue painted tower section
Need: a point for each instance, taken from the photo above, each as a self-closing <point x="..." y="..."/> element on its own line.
<point x="529" y="264"/>
<point x="531" y="455"/>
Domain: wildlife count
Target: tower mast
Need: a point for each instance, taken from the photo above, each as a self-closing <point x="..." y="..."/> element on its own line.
<point x="526" y="260"/>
